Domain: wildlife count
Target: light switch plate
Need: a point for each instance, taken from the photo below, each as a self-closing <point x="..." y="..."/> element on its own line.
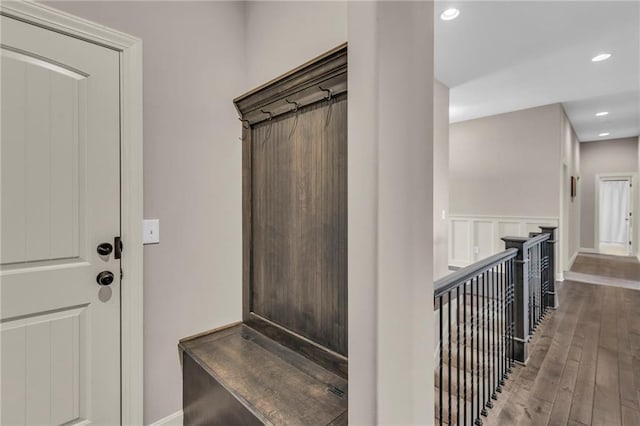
<point x="151" y="231"/>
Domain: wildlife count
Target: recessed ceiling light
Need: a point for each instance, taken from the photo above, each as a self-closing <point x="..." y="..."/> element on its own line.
<point x="604" y="134"/>
<point x="602" y="113"/>
<point x="601" y="57"/>
<point x="449" y="14"/>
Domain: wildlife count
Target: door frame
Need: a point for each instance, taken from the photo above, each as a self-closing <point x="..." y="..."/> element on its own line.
<point x="131" y="315"/>
<point x="633" y="177"/>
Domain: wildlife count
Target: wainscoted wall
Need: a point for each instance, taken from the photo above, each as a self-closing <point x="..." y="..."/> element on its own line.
<point x="472" y="238"/>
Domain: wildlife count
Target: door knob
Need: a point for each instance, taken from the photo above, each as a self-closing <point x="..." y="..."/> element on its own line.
<point x="104" y="278"/>
<point x="104" y="249"/>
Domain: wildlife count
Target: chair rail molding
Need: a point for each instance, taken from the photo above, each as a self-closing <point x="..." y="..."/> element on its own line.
<point x="130" y="51"/>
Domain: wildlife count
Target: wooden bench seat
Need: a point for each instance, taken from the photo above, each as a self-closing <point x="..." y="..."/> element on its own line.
<point x="238" y="376"/>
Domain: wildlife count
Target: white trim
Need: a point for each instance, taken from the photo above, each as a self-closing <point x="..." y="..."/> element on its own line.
<point x="633" y="178"/>
<point x="573" y="259"/>
<point x="588" y="250"/>
<point x="494" y="217"/>
<point x="175" y="419"/>
<point x="130" y="49"/>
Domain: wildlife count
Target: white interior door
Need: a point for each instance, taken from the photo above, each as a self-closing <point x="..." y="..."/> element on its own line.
<point x="60" y="198"/>
<point x="614" y="216"/>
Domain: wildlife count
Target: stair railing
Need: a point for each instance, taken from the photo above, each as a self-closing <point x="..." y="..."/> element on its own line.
<point x="476" y="324"/>
<point x="486" y="314"/>
<point x="534" y="279"/>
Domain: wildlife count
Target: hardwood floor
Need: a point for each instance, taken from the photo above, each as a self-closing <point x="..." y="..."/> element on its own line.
<point x="584" y="365"/>
<point x="627" y="268"/>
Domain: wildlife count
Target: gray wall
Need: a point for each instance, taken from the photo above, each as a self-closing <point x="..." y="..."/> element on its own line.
<point x="610" y="156"/>
<point x="440" y="180"/>
<point x="292" y="32"/>
<point x="507" y="164"/>
<point x="194" y="65"/>
<point x="569" y="232"/>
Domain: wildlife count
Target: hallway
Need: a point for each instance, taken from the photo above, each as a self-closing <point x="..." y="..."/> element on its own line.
<point x="584" y="365"/>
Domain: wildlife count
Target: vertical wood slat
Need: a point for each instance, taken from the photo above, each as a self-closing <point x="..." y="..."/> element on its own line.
<point x="41" y="370"/>
<point x="298" y="215"/>
<point x="64" y="165"/>
<point x="247" y="244"/>
<point x="13" y="161"/>
<point x="13" y="376"/>
<point x="38" y="164"/>
<point x="64" y="390"/>
<point x="38" y="374"/>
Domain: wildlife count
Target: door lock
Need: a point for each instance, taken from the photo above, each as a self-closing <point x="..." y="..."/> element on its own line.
<point x="104" y="278"/>
<point x="104" y="249"/>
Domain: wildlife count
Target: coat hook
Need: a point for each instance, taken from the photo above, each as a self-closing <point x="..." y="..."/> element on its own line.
<point x="295" y="104"/>
<point x="267" y="112"/>
<point x="329" y="93"/>
<point x="245" y="121"/>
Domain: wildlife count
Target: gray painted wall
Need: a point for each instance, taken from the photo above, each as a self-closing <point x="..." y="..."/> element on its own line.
<point x="570" y="237"/>
<point x="440" y="180"/>
<point x="609" y="156"/>
<point x="507" y="164"/>
<point x="194" y="65"/>
<point x="292" y="32"/>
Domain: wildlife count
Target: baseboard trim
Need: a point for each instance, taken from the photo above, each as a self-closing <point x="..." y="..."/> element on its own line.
<point x="175" y="419"/>
<point x="573" y="259"/>
<point x="588" y="250"/>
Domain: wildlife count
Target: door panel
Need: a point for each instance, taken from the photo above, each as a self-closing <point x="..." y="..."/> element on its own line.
<point x="40" y="167"/>
<point x="60" y="330"/>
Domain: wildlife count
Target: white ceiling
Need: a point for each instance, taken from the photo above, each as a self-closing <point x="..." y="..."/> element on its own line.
<point x="503" y="56"/>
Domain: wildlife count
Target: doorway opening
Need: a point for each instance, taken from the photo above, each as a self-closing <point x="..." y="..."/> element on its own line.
<point x="614" y="213"/>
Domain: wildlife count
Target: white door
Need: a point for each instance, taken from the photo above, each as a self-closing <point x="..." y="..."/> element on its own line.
<point x="614" y="216"/>
<point x="60" y="329"/>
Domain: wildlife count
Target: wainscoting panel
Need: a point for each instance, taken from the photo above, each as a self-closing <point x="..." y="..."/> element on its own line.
<point x="460" y="237"/>
<point x="476" y="237"/>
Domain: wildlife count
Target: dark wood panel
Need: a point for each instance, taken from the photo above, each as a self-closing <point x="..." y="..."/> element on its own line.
<point x="330" y="66"/>
<point x="332" y="361"/>
<point x="273" y="383"/>
<point x="206" y="402"/>
<point x="299" y="222"/>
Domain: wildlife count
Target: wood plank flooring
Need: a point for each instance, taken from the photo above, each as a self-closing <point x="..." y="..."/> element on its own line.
<point x="627" y="268"/>
<point x="584" y="365"/>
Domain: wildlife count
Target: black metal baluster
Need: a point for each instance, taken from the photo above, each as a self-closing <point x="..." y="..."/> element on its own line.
<point x="458" y="351"/>
<point x="484" y="345"/>
<point x="512" y="314"/>
<point x="472" y="320"/>
<point x="464" y="325"/>
<point x="501" y="321"/>
<point x="546" y="276"/>
<point x="494" y="352"/>
<point x="532" y="305"/>
<point x="491" y="329"/>
<point x="441" y="388"/>
<point x="449" y="305"/>
<point x="477" y="371"/>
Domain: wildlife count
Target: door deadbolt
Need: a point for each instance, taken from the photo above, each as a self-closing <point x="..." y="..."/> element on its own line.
<point x="104" y="278"/>
<point x="104" y="249"/>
